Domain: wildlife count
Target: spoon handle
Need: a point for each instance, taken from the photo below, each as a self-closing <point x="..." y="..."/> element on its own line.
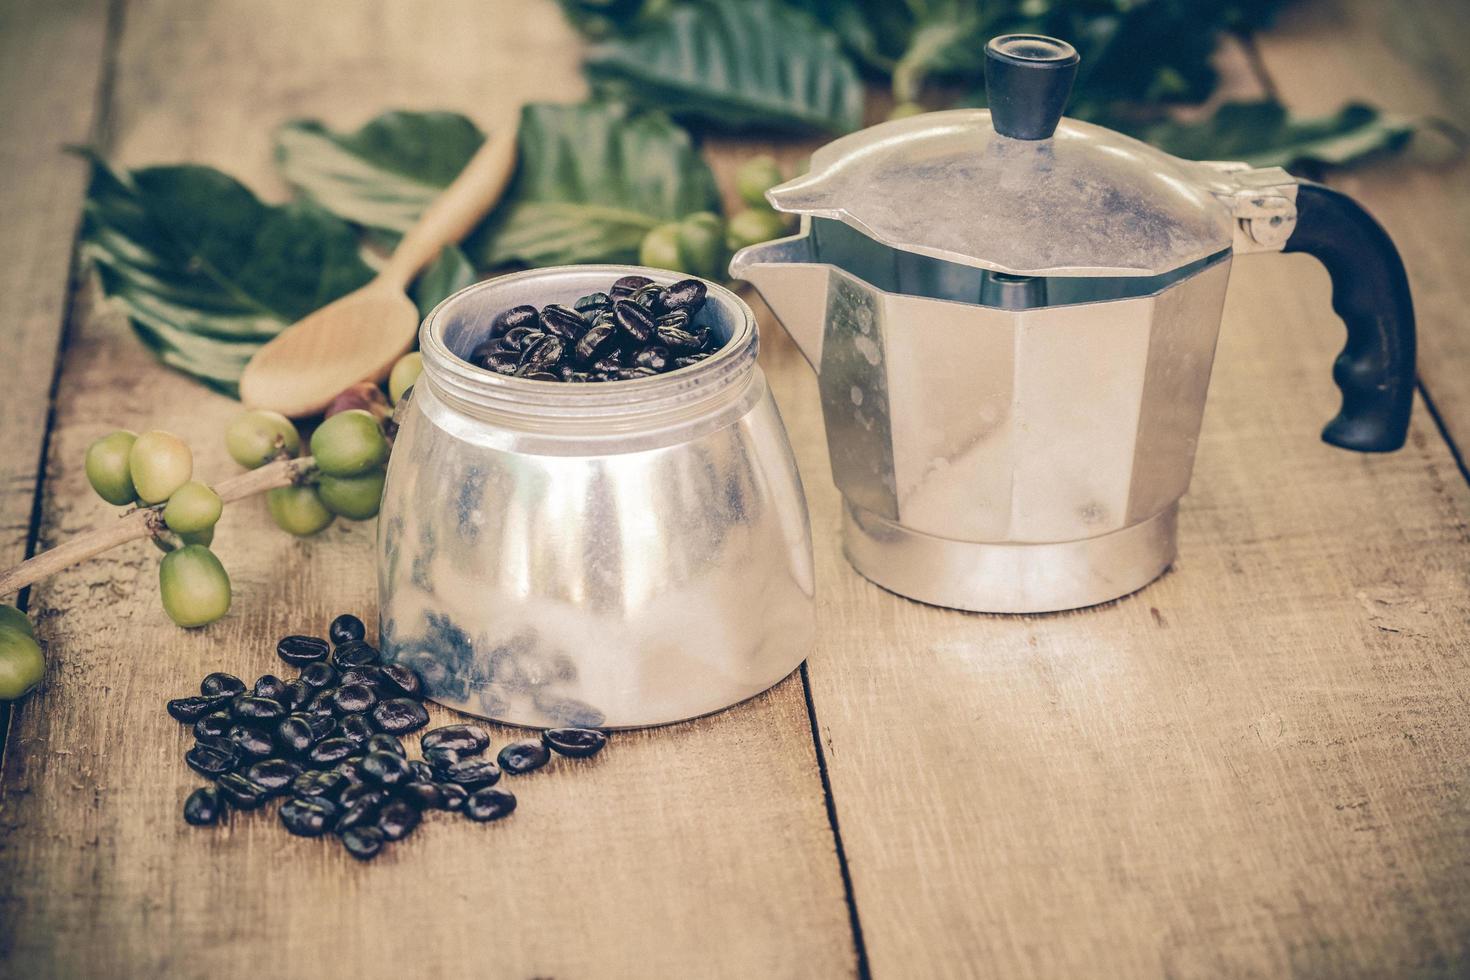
<point x="457" y="210"/>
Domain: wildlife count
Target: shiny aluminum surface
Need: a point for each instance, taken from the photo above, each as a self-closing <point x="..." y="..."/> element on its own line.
<point x="995" y="459"/>
<point x="1086" y="202"/>
<point x="615" y="554"/>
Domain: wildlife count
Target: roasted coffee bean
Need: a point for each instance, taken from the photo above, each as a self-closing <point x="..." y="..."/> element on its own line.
<point x="350" y="769"/>
<point x="609" y="365"/>
<point x="213" y="756"/>
<point x="502" y="362"/>
<point x="650" y="297"/>
<point x="273" y="775"/>
<point x="397" y="819"/>
<point x="654" y="357"/>
<point x="269" y="686"/>
<point x="489" y="804"/>
<point x="355" y="791"/>
<point x="326" y="783"/>
<point x="440" y="759"/>
<point x="678" y="341"/>
<point x="570" y="374"/>
<point x="575" y="742"/>
<point x="517" y="339"/>
<point x="321" y="702"/>
<point x="397" y="716"/>
<point x="422" y="793"/>
<point x="593" y="301"/>
<point x="194" y="708"/>
<point x="215" y="723"/>
<point x="385" y="768"/>
<point x="202" y="807"/>
<point x="299" y="651"/>
<point x="567" y="324"/>
<point x="355" y="653"/>
<point x="386" y="743"/>
<point x="543" y="355"/>
<point x="330" y="751"/>
<point x="296" y="694"/>
<point x="628" y="285"/>
<point x="219" y="683"/>
<point x="465" y="739"/>
<point x="634" y="373"/>
<point x="537" y="376"/>
<point x="355" y="728"/>
<point x="362" y="810"/>
<point x="398" y="679"/>
<point x="322" y="725"/>
<point x="473" y="773"/>
<point x="252" y="742"/>
<point x="507" y="320"/>
<point x="366" y="674"/>
<point x="308" y="817"/>
<point x="319" y="675"/>
<point x="422" y="770"/>
<point x="523" y="757"/>
<point x="353" y="699"/>
<point x="686" y="294"/>
<point x="674" y="318"/>
<point x="454" y="795"/>
<point x="294" y="734"/>
<point x="635" y="323"/>
<point x="241" y="793"/>
<point x="248" y="708"/>
<point x="363" y="843"/>
<point x="683" y="362"/>
<point x="346" y="628"/>
<point x="596" y="342"/>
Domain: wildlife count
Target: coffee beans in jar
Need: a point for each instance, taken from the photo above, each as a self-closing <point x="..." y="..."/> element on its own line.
<point x="636" y="329"/>
<point x="327" y="742"/>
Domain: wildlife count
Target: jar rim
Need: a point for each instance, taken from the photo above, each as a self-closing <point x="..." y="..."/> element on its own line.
<point x="602" y="405"/>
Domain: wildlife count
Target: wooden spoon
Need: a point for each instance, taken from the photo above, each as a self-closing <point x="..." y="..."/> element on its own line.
<point x="358" y="337"/>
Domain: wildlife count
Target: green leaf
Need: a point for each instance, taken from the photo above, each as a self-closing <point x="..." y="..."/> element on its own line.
<point x="207" y="272"/>
<point x="736" y="64"/>
<point x="592" y="180"/>
<point x="445" y="276"/>
<point x="382" y="175"/>
<point x="1264" y="134"/>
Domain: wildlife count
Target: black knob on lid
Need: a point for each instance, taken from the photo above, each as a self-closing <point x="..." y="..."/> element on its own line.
<point x="1027" y="80"/>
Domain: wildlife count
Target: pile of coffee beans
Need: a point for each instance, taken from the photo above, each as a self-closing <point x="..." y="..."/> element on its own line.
<point x="636" y="329"/>
<point x="329" y="742"/>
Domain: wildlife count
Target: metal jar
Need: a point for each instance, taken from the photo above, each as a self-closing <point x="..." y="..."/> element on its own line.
<point x="611" y="554"/>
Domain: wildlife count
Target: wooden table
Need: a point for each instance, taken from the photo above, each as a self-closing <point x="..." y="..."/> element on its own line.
<point x="1258" y="766"/>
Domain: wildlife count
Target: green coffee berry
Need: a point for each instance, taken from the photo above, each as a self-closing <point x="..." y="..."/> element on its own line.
<point x="256" y="437"/>
<point x="22" y="664"/>
<point x="405" y="372"/>
<point x="15" y="619"/>
<point x="191" y="508"/>
<point x="194" y="586"/>
<point x="353" y="497"/>
<point x="702" y="245"/>
<point x="107" y="467"/>
<point x="298" y="510"/>
<point x="660" y="248"/>
<point x="348" y="444"/>
<point x="756" y="176"/>
<point x="753" y="226"/>
<point x="159" y="463"/>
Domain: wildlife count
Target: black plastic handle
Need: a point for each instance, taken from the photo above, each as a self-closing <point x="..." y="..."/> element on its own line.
<point x="1028" y="78"/>
<point x="1370" y="291"/>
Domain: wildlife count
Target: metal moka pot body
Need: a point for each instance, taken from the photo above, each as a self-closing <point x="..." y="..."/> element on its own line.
<point x="1014" y="317"/>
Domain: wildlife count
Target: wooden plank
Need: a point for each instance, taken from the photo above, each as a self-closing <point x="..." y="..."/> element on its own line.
<point x="699" y="850"/>
<point x="51" y="64"/>
<point x="1254" y="767"/>
<point x="1412" y="59"/>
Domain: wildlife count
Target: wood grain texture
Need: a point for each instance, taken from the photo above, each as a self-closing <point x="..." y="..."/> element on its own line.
<point x="51" y="62"/>
<point x="1412" y="59"/>
<point x="1254" y="767"/>
<point x="699" y="850"/>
